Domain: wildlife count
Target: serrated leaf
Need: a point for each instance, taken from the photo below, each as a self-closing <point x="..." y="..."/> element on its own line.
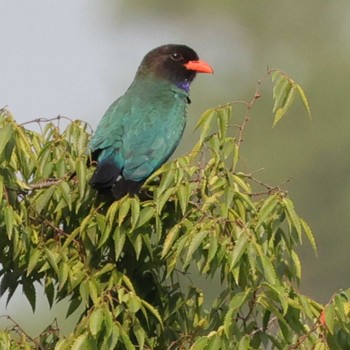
<point x="145" y="215"/>
<point x="134" y="303"/>
<point x="126" y="340"/>
<point x="292" y="215"/>
<point x="223" y="115"/>
<point x="206" y="119"/>
<point x="165" y="181"/>
<point x="29" y="291"/>
<point x="239" y="249"/>
<point x="53" y="259"/>
<point x="43" y="199"/>
<point x="169" y="240"/>
<point x="269" y="205"/>
<point x="269" y="270"/>
<point x="153" y="311"/>
<point x="309" y="235"/>
<point x="183" y="193"/>
<point x="123" y="210"/>
<point x="195" y="243"/>
<point x="119" y="237"/>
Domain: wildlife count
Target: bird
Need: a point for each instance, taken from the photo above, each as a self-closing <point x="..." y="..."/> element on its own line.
<point x="142" y="128"/>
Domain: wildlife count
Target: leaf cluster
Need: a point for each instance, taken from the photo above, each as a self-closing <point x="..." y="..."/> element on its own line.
<point x="127" y="266"/>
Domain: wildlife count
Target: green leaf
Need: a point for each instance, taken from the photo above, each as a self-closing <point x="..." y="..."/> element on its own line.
<point x="281" y="111"/>
<point x="53" y="259"/>
<point x="183" y="193"/>
<point x="126" y="340"/>
<point x="169" y="240"/>
<point x="119" y="240"/>
<point x="236" y="302"/>
<point x="29" y="291"/>
<point x="309" y="235"/>
<point x="80" y="168"/>
<point x="292" y="215"/>
<point x="140" y="335"/>
<point x="167" y="178"/>
<point x="42" y="200"/>
<point x="213" y="246"/>
<point x="82" y="343"/>
<point x="135" y="211"/>
<point x="200" y="344"/>
<point x="9" y="216"/>
<point x="153" y="311"/>
<point x="66" y="193"/>
<point x="195" y="243"/>
<point x="330" y="315"/>
<point x="124" y="209"/>
<point x="134" y="303"/>
<point x="239" y="249"/>
<point x="145" y="215"/>
<point x="93" y="290"/>
<point x="269" y="205"/>
<point x="303" y="98"/>
<point x="6" y="133"/>
<point x="205" y="122"/>
<point x="63" y="272"/>
<point x="95" y="321"/>
<point x="223" y="115"/>
<point x="244" y="343"/>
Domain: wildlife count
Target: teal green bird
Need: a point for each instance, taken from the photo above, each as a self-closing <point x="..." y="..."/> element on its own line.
<point x="142" y="128"/>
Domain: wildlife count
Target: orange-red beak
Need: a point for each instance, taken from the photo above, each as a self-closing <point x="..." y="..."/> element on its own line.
<point x="199" y="66"/>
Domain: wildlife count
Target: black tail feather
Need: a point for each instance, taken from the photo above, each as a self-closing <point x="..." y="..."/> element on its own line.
<point x="105" y="176"/>
<point x="108" y="179"/>
<point x="122" y="187"/>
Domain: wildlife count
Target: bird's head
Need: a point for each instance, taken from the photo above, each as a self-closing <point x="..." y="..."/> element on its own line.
<point x="176" y="63"/>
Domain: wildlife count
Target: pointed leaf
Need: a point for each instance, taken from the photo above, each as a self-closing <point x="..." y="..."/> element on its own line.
<point x="96" y="320"/>
<point x="195" y="243"/>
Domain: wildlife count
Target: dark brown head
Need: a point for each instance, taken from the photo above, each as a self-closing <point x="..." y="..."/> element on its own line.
<point x="176" y="63"/>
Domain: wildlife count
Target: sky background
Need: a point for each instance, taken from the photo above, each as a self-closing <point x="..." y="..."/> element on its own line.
<point x="74" y="58"/>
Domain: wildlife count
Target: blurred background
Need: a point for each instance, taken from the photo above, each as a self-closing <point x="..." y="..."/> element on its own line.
<point x="74" y="58"/>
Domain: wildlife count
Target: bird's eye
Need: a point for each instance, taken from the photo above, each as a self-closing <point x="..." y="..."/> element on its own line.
<point x="176" y="56"/>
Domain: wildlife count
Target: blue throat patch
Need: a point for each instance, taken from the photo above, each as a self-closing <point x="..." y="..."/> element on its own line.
<point x="184" y="85"/>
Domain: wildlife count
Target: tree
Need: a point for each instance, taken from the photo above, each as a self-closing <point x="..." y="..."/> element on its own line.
<point x="127" y="263"/>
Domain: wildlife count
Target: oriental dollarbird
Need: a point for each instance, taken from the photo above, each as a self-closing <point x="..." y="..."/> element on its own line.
<point x="142" y="128"/>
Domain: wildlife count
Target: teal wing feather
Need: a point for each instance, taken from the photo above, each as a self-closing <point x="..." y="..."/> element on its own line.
<point x="141" y="130"/>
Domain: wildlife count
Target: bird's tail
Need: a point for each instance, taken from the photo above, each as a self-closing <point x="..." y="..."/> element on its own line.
<point x="108" y="179"/>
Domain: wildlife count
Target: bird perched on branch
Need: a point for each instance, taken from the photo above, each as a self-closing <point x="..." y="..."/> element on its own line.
<point x="142" y="128"/>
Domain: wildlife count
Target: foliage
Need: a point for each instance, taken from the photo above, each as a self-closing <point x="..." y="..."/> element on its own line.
<point x="127" y="264"/>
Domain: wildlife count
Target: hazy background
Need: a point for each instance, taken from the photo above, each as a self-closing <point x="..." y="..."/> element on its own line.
<point x="75" y="57"/>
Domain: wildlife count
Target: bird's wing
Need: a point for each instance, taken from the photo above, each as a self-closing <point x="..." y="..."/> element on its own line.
<point x="152" y="133"/>
<point x="107" y="139"/>
<point x="139" y="132"/>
